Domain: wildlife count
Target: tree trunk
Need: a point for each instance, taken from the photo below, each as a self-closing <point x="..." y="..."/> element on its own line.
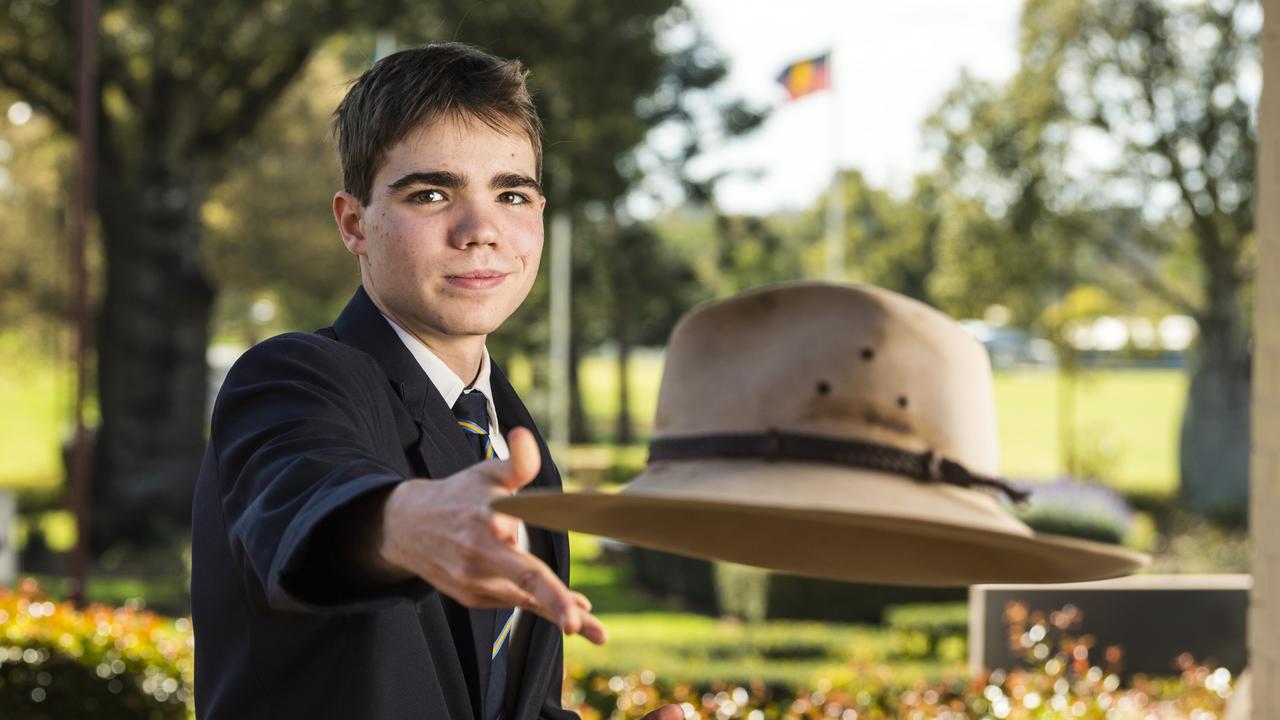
<point x="579" y="428"/>
<point x="623" y="435"/>
<point x="153" y="331"/>
<point x="1215" y="443"/>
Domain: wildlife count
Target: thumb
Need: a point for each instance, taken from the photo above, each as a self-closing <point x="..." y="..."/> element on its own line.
<point x="524" y="462"/>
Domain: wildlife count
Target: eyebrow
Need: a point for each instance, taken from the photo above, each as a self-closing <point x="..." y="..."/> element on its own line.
<point x="443" y="178"/>
<point x="453" y="181"/>
<point x="510" y="181"/>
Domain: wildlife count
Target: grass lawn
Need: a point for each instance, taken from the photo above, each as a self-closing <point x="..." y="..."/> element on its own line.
<point x="35" y="408"/>
<point x="698" y="649"/>
<point x="1127" y="424"/>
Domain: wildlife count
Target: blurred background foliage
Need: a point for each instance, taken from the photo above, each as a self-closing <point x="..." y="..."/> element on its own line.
<point x="217" y="171"/>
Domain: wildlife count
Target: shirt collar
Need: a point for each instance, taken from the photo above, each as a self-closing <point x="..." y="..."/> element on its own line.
<point x="441" y="376"/>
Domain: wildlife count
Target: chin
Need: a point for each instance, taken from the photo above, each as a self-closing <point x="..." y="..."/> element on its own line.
<point x="470" y="327"/>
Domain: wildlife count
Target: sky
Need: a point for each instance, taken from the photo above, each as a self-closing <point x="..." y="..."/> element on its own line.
<point x="893" y="63"/>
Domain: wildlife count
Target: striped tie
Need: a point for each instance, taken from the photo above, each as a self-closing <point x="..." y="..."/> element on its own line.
<point x="472" y="413"/>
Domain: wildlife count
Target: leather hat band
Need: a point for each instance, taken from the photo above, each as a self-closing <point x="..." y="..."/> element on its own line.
<point x="775" y="445"/>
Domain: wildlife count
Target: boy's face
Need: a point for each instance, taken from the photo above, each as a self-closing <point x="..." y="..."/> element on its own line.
<point x="450" y="241"/>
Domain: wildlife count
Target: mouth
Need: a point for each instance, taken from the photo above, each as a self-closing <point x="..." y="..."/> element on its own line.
<point x="476" y="279"/>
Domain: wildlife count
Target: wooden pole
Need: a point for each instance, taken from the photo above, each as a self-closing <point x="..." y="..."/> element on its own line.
<point x="561" y="253"/>
<point x="1264" y="494"/>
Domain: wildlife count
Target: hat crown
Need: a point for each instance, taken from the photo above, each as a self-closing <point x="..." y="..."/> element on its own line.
<point x="842" y="361"/>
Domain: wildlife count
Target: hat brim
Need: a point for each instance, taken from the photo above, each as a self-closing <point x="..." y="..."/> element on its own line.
<point x="819" y="541"/>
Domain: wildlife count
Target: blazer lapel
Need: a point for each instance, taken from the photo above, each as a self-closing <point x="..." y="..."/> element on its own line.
<point x="441" y="443"/>
<point x="443" y="450"/>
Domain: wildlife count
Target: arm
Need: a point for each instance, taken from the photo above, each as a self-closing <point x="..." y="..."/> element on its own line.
<point x="324" y="523"/>
<point x="294" y="438"/>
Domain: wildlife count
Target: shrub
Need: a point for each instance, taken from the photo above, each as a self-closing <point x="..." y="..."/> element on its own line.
<point x="752" y="594"/>
<point x="1070" y="678"/>
<point x="59" y="662"/>
<point x="928" y="631"/>
<point x="1077" y="509"/>
<point x="101" y="662"/>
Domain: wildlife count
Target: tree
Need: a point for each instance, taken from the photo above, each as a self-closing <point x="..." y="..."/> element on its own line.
<point x="33" y="187"/>
<point x="282" y="245"/>
<point x="1129" y="134"/>
<point x="183" y="85"/>
<point x="643" y="288"/>
<point x="629" y="93"/>
<point x="890" y="243"/>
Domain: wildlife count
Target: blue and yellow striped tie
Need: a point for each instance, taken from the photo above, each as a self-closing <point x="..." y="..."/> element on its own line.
<point x="472" y="413"/>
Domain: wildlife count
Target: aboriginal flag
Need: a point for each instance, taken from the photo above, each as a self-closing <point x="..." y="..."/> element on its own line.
<point x="806" y="76"/>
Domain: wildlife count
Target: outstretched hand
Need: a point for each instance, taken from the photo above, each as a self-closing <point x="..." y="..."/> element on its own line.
<point x="444" y="532"/>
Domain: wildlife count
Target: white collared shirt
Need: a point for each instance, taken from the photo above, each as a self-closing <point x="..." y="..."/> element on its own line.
<point x="451" y="388"/>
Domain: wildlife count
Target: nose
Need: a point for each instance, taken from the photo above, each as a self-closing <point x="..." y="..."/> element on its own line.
<point x="476" y="225"/>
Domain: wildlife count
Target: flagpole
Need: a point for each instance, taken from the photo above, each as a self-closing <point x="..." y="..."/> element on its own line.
<point x="835" y="196"/>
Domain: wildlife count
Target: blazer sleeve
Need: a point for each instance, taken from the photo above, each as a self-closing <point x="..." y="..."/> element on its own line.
<point x="294" y="434"/>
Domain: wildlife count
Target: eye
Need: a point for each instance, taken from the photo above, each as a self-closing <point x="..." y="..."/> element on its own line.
<point x="426" y="197"/>
<point x="514" y="198"/>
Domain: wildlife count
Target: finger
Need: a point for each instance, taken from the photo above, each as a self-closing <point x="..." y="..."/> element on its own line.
<point x="582" y="600"/>
<point x="592" y="629"/>
<point x="524" y="461"/>
<point x="500" y="592"/>
<point x="495" y="592"/>
<point x="552" y="599"/>
<point x="505" y="528"/>
<point x="521" y="466"/>
<point x="477" y="599"/>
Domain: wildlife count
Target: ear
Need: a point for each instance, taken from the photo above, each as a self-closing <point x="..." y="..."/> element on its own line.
<point x="348" y="213"/>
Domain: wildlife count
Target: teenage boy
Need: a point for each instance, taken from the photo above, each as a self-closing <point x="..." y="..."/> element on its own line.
<point x="345" y="560"/>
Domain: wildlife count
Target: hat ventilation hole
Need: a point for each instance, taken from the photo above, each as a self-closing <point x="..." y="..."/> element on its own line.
<point x="902" y="401"/>
<point x="868" y="353"/>
<point x="824" y="387"/>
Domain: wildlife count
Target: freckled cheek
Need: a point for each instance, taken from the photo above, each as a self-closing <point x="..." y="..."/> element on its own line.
<point x="529" y="246"/>
<point x="407" y="239"/>
<point x="404" y="253"/>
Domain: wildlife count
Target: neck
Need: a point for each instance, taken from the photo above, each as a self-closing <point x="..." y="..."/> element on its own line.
<point x="462" y="354"/>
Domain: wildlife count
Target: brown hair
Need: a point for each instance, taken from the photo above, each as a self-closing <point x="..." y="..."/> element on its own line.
<point x="411" y="88"/>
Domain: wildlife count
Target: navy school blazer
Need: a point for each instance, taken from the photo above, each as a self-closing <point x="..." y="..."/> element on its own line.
<point x="305" y="426"/>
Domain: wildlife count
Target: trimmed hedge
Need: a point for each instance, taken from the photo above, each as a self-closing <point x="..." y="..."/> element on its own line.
<point x="105" y="663"/>
<point x="754" y="595"/>
<point x="928" y="631"/>
<point x="1080" y="509"/>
